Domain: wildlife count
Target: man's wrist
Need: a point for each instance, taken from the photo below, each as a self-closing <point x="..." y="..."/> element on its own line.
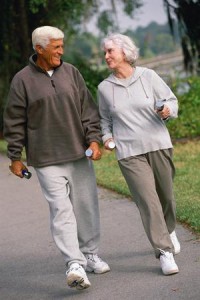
<point x="94" y="143"/>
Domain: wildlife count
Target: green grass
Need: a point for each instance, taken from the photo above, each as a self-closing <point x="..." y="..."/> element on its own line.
<point x="3" y="146"/>
<point x="186" y="183"/>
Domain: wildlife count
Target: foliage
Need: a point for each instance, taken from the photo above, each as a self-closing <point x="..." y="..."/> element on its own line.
<point x="187" y="13"/>
<point x="107" y="18"/>
<point x="19" y="18"/>
<point x="188" y="122"/>
<point x="17" y="21"/>
<point x="84" y="44"/>
<point x="84" y="53"/>
<point x="130" y="6"/>
<point x="154" y="39"/>
<point x="91" y="75"/>
<point x="105" y="21"/>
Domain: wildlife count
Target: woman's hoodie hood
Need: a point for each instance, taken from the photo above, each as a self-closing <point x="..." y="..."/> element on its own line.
<point x="137" y="75"/>
<point x="138" y="71"/>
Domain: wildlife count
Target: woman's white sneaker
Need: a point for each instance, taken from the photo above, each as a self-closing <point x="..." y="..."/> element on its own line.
<point x="175" y="242"/>
<point x="77" y="278"/>
<point x="96" y="264"/>
<point x="167" y="263"/>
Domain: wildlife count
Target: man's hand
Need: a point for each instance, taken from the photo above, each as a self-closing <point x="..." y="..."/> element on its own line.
<point x="16" y="168"/>
<point x="96" y="155"/>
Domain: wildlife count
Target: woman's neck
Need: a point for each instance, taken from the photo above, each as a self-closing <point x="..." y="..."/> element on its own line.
<point x="124" y="72"/>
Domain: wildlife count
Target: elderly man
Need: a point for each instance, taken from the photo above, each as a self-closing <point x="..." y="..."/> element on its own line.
<point x="51" y="113"/>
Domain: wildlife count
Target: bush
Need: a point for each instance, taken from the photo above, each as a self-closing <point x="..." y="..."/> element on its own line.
<point x="187" y="125"/>
<point x="91" y="74"/>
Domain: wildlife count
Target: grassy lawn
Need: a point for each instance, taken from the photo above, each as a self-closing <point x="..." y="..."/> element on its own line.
<point x="186" y="184"/>
<point x="187" y="180"/>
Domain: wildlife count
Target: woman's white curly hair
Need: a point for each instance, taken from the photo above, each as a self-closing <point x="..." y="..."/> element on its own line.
<point x="125" y="43"/>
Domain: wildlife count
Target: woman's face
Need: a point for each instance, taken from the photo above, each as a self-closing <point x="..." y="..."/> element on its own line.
<point x="114" y="56"/>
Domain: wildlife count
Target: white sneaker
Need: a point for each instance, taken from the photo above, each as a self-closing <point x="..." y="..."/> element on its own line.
<point x="175" y="242"/>
<point x="96" y="264"/>
<point x="76" y="277"/>
<point x="167" y="263"/>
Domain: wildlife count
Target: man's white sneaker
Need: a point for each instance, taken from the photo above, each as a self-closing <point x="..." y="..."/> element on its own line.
<point x="175" y="242"/>
<point x="96" y="264"/>
<point x="76" y="277"/>
<point x="167" y="263"/>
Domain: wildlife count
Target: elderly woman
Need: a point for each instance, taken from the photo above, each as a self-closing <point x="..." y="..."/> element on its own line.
<point x="128" y="101"/>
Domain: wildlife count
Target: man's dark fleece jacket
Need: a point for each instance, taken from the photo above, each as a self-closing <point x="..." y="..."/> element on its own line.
<point x="55" y="117"/>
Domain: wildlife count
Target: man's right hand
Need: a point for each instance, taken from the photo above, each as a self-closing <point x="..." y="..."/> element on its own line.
<point x="16" y="168"/>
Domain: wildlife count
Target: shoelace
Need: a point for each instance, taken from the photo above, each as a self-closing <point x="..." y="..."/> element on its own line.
<point x="162" y="252"/>
<point x="73" y="268"/>
<point x="94" y="257"/>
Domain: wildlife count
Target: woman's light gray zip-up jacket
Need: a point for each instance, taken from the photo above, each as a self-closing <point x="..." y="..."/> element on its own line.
<point x="128" y="113"/>
<point x="55" y="117"/>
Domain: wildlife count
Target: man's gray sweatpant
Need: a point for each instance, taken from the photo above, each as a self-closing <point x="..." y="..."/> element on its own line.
<point x="71" y="192"/>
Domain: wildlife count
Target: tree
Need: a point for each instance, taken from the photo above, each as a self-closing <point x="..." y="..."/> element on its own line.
<point x="108" y="17"/>
<point x="18" y="18"/>
<point x="187" y="13"/>
<point x="154" y="39"/>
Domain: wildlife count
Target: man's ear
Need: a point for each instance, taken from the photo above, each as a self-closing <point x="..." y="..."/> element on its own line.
<point x="39" y="49"/>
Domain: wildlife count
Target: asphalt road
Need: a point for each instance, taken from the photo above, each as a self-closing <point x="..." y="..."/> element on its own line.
<point x="32" y="268"/>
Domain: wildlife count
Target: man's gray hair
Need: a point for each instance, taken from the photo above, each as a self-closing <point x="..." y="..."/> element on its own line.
<point x="125" y="43"/>
<point x="42" y="35"/>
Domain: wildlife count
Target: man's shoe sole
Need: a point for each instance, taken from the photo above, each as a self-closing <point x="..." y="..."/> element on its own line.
<point x="97" y="271"/>
<point x="77" y="282"/>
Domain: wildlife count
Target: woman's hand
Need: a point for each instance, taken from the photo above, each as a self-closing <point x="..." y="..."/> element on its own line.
<point x="164" y="113"/>
<point x="109" y="144"/>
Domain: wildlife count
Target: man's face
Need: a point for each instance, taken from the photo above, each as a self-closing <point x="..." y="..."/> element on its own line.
<point x="50" y="57"/>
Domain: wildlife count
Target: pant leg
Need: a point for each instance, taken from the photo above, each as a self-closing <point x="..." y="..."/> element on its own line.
<point x="164" y="171"/>
<point x="140" y="179"/>
<point x="56" y="189"/>
<point x="84" y="198"/>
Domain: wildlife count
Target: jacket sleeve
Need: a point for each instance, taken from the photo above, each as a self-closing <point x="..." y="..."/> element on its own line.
<point x="15" y="120"/>
<point x="163" y="91"/>
<point x="106" y="120"/>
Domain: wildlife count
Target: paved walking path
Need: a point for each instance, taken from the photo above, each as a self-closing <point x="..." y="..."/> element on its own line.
<point x="31" y="267"/>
